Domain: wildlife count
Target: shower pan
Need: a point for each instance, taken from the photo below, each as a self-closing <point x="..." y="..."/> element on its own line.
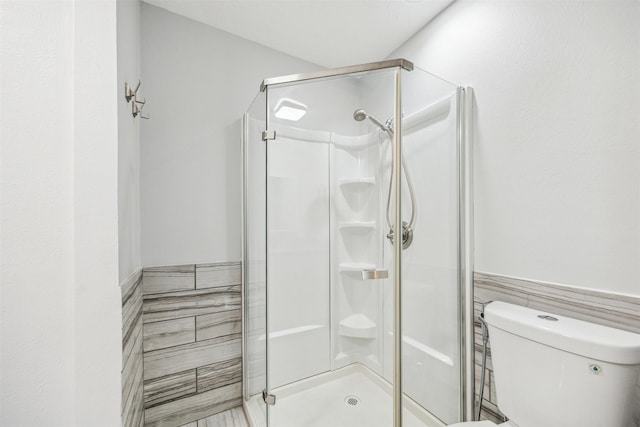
<point x="344" y="324"/>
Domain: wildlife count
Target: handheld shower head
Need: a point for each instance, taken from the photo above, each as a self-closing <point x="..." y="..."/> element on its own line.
<point x="360" y="115"/>
<point x="407" y="232"/>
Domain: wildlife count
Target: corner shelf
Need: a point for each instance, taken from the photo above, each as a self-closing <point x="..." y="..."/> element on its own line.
<point x="357" y="183"/>
<point x="355" y="267"/>
<point x="357" y="326"/>
<point x="357" y="227"/>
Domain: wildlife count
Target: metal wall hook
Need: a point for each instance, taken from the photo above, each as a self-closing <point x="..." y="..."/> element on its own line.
<point x="137" y="111"/>
<point x="130" y="94"/>
<point x="134" y="109"/>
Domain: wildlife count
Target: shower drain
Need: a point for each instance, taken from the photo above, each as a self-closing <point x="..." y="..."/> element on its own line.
<point x="352" y="400"/>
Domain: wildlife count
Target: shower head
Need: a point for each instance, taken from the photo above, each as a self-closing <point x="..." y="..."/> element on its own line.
<point x="360" y="115"/>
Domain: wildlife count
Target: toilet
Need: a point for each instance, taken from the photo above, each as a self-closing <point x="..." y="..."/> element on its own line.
<point x="555" y="371"/>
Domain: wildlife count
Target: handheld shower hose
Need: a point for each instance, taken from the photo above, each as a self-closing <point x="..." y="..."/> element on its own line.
<point x="407" y="228"/>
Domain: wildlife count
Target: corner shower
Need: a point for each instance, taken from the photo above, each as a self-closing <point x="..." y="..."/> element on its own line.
<point x="342" y="327"/>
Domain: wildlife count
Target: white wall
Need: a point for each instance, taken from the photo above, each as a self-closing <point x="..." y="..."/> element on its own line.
<point x="36" y="238"/>
<point x="98" y="300"/>
<point x="198" y="82"/>
<point x="557" y="158"/>
<point x="60" y="305"/>
<point x="128" y="25"/>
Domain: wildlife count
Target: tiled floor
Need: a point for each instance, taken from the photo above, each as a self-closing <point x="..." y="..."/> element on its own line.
<point x="231" y="418"/>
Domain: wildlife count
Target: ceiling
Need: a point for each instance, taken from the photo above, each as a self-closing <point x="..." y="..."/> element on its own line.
<point x="330" y="33"/>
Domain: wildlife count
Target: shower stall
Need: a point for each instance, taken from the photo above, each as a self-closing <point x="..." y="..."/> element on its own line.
<point x="357" y="297"/>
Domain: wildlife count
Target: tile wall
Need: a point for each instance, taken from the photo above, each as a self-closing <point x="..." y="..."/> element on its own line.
<point x="182" y="336"/>
<point x="191" y="342"/>
<point x="132" y="370"/>
<point x="618" y="311"/>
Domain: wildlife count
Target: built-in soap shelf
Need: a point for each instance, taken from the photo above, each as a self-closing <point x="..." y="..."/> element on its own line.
<point x="357" y="326"/>
<point x="355" y="267"/>
<point x="357" y="182"/>
<point x="357" y="227"/>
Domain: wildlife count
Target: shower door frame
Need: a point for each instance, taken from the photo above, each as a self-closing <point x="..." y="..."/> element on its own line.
<point x="464" y="98"/>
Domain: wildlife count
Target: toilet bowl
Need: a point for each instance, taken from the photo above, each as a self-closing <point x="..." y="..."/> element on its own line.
<point x="555" y="371"/>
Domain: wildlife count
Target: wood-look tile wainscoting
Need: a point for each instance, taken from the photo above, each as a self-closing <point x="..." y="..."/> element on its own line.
<point x="617" y="311"/>
<point x="191" y="342"/>
<point x="132" y="370"/>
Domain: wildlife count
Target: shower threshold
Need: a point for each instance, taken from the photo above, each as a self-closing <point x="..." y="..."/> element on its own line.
<point x="352" y="396"/>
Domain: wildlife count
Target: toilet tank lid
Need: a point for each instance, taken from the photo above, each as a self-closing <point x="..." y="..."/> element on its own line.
<point x="572" y="335"/>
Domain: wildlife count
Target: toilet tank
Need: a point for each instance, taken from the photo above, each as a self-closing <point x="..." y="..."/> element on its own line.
<point x="555" y="371"/>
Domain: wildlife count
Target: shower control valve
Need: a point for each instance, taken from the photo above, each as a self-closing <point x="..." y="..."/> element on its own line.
<point x="407" y="235"/>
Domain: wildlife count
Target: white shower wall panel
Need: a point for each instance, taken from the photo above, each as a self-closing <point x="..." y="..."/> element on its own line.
<point x="299" y="226"/>
<point x="430" y="264"/>
<point x="430" y="280"/>
<point x="356" y="245"/>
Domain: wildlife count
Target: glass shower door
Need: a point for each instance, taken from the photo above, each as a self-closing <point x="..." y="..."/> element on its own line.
<point x="298" y="273"/>
<point x="431" y="292"/>
<point x="324" y="231"/>
<point x="254" y="259"/>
